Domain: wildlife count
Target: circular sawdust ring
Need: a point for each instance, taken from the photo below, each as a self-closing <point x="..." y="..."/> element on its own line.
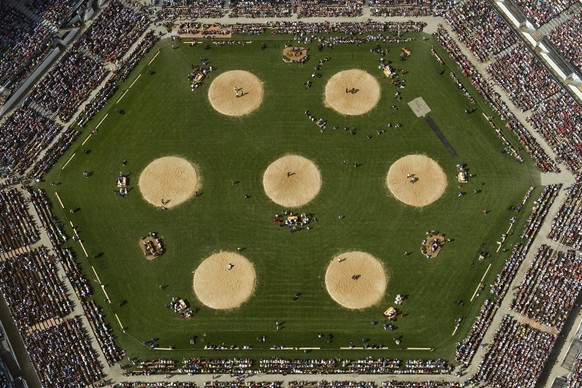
<point x="170" y="179"/>
<point x="224" y="90"/>
<point x="356" y="280"/>
<point x="430" y="184"/>
<point x="339" y="95"/>
<point x="292" y="181"/>
<point x="221" y="288"/>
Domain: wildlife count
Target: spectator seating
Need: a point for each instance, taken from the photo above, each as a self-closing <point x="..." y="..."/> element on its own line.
<point x="17" y="227"/>
<point x="559" y="119"/>
<point x="567" y="225"/>
<point x="23" y="45"/>
<point x="33" y="289"/>
<point x="261" y="8"/>
<point x="469" y="345"/>
<point x="539" y="13"/>
<point x="56" y="12"/>
<point x="330" y="8"/>
<point x="68" y="84"/>
<point x="114" y="31"/>
<point x="525" y="79"/>
<point x="567" y="39"/>
<point x="550" y="287"/>
<point x="481" y="28"/>
<point x="516" y="356"/>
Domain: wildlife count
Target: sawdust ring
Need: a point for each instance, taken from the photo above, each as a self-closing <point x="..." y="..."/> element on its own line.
<point x="429" y="187"/>
<point x="352" y="104"/>
<point x="356" y="293"/>
<point x="292" y="181"/>
<point x="222" y="93"/>
<point x="221" y="288"/>
<point x="171" y="179"/>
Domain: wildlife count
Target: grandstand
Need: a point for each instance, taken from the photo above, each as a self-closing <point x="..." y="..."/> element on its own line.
<point x="63" y="61"/>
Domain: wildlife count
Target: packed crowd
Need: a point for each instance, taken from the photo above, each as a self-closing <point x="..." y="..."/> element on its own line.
<point x="52" y="226"/>
<point x="485" y="88"/>
<point x="516" y="356"/>
<point x="261" y="8"/>
<point x="23" y="136"/>
<point x="53" y="153"/>
<point x="550" y="287"/>
<point x="567" y="38"/>
<point x="54" y="11"/>
<point x="120" y="74"/>
<point x="421" y="384"/>
<point x="39" y="301"/>
<point x="149" y="367"/>
<point x="558" y="120"/>
<point x="63" y="355"/>
<point x="17" y="227"/>
<point x="540" y="211"/>
<point x="530" y="144"/>
<point x="387" y="8"/>
<point x="79" y="281"/>
<point x="469" y="345"/>
<point x="156" y="384"/>
<point x="33" y="289"/>
<point x="103" y="332"/>
<point x="277" y="365"/>
<point x="539" y="12"/>
<point x="68" y="84"/>
<point x="333" y="384"/>
<point x="529" y="84"/>
<point x="184" y="9"/>
<point x="114" y="31"/>
<point x="366" y="365"/>
<point x="26" y="133"/>
<point x="126" y="65"/>
<point x="524" y="78"/>
<point x="481" y="28"/>
<point x="97" y="102"/>
<point x="567" y="225"/>
<point x="200" y="365"/>
<point x="243" y="384"/>
<point x="330" y="8"/>
<point x="306" y="30"/>
<point x="23" y="45"/>
<point x="504" y="278"/>
<point x="574" y="378"/>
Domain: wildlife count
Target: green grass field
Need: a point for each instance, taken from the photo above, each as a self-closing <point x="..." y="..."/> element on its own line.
<point x="164" y="117"/>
